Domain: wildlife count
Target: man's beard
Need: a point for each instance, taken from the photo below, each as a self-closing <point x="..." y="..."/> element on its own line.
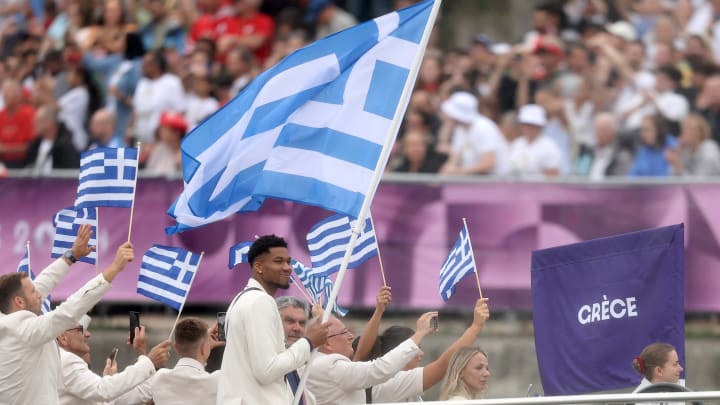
<point x="281" y="286"/>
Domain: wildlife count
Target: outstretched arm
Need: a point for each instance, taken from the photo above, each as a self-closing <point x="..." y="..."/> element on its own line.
<point x="369" y="336"/>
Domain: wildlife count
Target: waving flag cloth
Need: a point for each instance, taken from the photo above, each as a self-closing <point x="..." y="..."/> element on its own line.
<point x="107" y="178"/>
<point x="597" y="304"/>
<point x="329" y="238"/>
<point x="238" y="254"/>
<point x="459" y="263"/>
<point x="316" y="284"/>
<point x="24" y="267"/>
<point x="166" y="274"/>
<point x="312" y="129"/>
<point x="67" y="224"/>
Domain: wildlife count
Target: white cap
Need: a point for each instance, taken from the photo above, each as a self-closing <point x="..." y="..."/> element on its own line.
<point x="461" y="106"/>
<point x="622" y="29"/>
<point x="532" y="114"/>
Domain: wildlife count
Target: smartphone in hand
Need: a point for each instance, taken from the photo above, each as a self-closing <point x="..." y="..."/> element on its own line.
<point x="221" y="326"/>
<point x="113" y="354"/>
<point x="134" y="323"/>
<point x="434" y="323"/>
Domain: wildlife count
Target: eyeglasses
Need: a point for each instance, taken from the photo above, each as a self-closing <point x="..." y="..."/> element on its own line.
<point x="344" y="332"/>
<point x="80" y="329"/>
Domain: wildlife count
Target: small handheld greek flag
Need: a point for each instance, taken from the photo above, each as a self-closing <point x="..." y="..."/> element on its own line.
<point x="67" y="222"/>
<point x="458" y="264"/>
<point x="24" y="267"/>
<point x="166" y="274"/>
<point x="328" y="239"/>
<point x="107" y="178"/>
<point x="316" y="285"/>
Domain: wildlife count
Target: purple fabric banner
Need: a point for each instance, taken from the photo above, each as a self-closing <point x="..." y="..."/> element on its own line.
<point x="597" y="304"/>
<point x="415" y="225"/>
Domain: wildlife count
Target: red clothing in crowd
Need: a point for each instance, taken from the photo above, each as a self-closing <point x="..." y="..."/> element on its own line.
<point x="259" y="24"/>
<point x="16" y="128"/>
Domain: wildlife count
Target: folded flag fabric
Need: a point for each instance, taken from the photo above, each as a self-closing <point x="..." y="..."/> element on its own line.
<point x="166" y="274"/>
<point x="238" y="254"/>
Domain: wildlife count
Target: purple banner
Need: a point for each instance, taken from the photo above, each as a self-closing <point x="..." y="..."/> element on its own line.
<point x="415" y="225"/>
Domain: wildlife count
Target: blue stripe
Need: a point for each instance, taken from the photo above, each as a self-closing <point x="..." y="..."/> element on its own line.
<point x="171" y="303"/>
<point x="332" y="143"/>
<point x="413" y="21"/>
<point x="386" y="88"/>
<point x="159" y="284"/>
<point x="128" y="191"/>
<point x="330" y="232"/>
<point x="309" y="191"/>
<point x="329" y="245"/>
<point x="173" y="272"/>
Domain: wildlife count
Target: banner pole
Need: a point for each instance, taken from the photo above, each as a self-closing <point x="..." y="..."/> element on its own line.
<point x="132" y="204"/>
<point x="472" y="254"/>
<point x="188" y="294"/>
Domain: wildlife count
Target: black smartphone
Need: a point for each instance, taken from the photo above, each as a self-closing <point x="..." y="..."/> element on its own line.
<point x="221" y="326"/>
<point x="434" y="322"/>
<point x="113" y="354"/>
<point x="134" y="323"/>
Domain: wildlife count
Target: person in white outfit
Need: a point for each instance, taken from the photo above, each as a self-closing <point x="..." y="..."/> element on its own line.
<point x="29" y="355"/>
<point x="533" y="154"/>
<point x="81" y="386"/>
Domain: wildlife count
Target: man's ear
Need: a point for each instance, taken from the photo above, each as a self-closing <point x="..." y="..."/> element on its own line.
<point x="19" y="302"/>
<point x="257" y="267"/>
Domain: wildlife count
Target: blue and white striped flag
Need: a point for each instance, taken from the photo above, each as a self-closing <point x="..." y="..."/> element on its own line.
<point x="239" y="254"/>
<point x="166" y="274"/>
<point x="316" y="284"/>
<point x="107" y="178"/>
<point x="67" y="222"/>
<point x="329" y="238"/>
<point x="24" y="267"/>
<point x="458" y="264"/>
<point x="310" y="129"/>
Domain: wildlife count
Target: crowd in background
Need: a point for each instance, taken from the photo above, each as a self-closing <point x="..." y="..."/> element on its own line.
<point x="595" y="88"/>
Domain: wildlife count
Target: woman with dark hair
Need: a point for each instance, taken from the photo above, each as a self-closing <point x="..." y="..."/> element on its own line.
<point x="658" y="363"/>
<point x="655" y="140"/>
<point x="78" y="104"/>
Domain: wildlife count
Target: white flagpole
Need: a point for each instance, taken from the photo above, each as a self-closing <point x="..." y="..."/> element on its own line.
<point x="27" y="248"/>
<point x="382" y="270"/>
<point x="472" y="255"/>
<point x="97" y="239"/>
<point x="197" y="268"/>
<point x="372" y="188"/>
<point x="132" y="204"/>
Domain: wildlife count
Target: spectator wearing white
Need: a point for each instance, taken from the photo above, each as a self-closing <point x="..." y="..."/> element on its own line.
<point x="476" y="144"/>
<point x="80" y="386"/>
<point x="187" y="382"/>
<point x="696" y="154"/>
<point x="607" y="157"/>
<point x="532" y="153"/>
<point x="29" y="355"/>
<point x="157" y="91"/>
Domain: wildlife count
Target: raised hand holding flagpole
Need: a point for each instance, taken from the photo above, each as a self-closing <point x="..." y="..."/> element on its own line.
<point x="472" y="255"/>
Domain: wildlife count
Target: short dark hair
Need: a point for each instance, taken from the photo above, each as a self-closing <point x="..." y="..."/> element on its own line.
<point x="263" y="245"/>
<point x="10" y="287"/>
<point x="671" y="72"/>
<point x="189" y="332"/>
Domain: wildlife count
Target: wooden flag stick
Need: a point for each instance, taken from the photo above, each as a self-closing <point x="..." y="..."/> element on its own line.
<point x="477" y="278"/>
<point x="302" y="290"/>
<point x="197" y="268"/>
<point x="382" y="270"/>
<point x="132" y="204"/>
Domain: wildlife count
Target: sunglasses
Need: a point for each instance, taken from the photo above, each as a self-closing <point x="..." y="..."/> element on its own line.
<point x="80" y="329"/>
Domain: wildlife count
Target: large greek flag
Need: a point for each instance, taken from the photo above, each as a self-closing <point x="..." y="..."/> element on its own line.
<point x="329" y="238"/>
<point x="24" y="267"/>
<point x="107" y="178"/>
<point x="458" y="264"/>
<point x="166" y="274"/>
<point x="67" y="222"/>
<point x="311" y="129"/>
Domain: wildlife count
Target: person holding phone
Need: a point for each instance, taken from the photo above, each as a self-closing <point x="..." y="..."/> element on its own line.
<point x="81" y="386"/>
<point x="256" y="361"/>
<point x="29" y="357"/>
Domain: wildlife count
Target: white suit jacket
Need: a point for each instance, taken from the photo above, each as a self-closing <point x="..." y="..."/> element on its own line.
<point x="80" y="386"/>
<point x="255" y="360"/>
<point x="335" y="379"/>
<point x="29" y="355"/>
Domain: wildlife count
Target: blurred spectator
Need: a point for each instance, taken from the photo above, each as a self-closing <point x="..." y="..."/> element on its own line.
<point x="199" y="101"/>
<point x="210" y="23"/>
<point x="122" y="84"/>
<point x="250" y="28"/>
<point x="328" y="17"/>
<point x="164" y="156"/>
<point x="476" y="144"/>
<point x="532" y="153"/>
<point x="708" y="104"/>
<point x="696" y="154"/>
<point x="418" y="155"/>
<point x="52" y="147"/>
<point x="157" y="91"/>
<point x="80" y="101"/>
<point x="655" y="140"/>
<point x="671" y="105"/>
<point x="163" y="30"/>
<point x="240" y="66"/>
<point x="102" y="130"/>
<point x="108" y="37"/>
<point x="16" y="125"/>
<point x="607" y="157"/>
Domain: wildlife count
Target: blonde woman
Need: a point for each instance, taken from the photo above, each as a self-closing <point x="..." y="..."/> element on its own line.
<point x="697" y="154"/>
<point x="467" y="375"/>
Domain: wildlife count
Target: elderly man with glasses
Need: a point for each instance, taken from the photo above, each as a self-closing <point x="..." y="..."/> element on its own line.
<point x="80" y="386"/>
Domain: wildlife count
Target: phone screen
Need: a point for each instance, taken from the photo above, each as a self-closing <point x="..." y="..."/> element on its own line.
<point x="434" y="322"/>
<point x="134" y="323"/>
<point x="221" y="326"/>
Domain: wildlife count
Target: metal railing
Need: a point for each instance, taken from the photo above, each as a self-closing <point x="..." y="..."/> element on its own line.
<point x="590" y="399"/>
